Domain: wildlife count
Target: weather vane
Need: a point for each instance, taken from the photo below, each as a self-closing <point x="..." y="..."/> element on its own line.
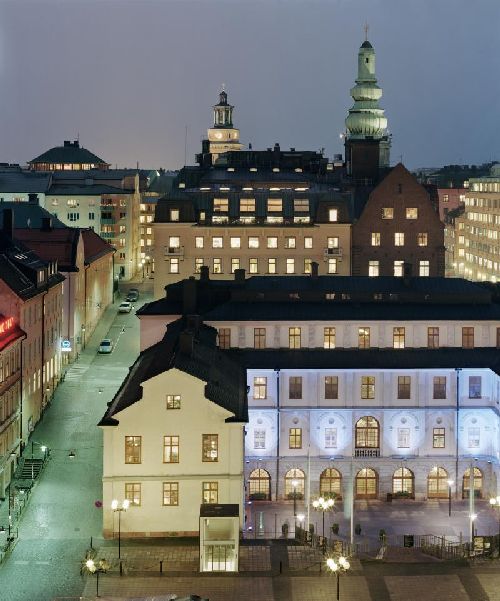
<point x="366" y="28"/>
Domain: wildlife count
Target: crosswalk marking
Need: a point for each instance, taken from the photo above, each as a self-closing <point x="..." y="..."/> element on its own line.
<point x="76" y="372"/>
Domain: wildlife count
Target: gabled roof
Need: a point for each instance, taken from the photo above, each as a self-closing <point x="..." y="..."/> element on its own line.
<point x="193" y="351"/>
<point x="59" y="245"/>
<point x="94" y="246"/>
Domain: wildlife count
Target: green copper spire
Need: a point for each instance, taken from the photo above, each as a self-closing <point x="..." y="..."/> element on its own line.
<point x="366" y="118"/>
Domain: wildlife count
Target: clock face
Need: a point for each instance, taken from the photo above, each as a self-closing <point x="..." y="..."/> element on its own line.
<point x="218" y="135"/>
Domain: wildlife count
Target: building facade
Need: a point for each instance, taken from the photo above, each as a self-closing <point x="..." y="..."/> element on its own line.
<point x="450" y="199"/>
<point x="364" y="386"/>
<point x="477" y="230"/>
<point x="11" y="337"/>
<point x="173" y="436"/>
<point x="398" y="226"/>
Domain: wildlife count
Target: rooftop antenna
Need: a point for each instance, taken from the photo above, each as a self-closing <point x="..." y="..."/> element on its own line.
<point x="366" y="28"/>
<point x="185" y="143"/>
<point x="223" y="87"/>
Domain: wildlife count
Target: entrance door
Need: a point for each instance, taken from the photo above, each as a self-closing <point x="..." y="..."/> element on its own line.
<point x="219" y="558"/>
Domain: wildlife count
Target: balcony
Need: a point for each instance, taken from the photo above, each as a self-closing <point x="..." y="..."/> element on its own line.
<point x="367" y="453"/>
<point x="174" y="251"/>
<point x="333" y="252"/>
<point x="105" y="221"/>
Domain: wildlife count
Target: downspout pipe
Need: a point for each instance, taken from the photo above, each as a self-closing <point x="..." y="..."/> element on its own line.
<point x="278" y="430"/>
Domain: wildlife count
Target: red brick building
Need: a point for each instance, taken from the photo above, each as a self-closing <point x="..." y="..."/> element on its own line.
<point x="398" y="225"/>
<point x="449" y="199"/>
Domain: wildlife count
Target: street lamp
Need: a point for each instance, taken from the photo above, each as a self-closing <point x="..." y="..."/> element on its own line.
<point x="450" y="484"/>
<point x="472" y="517"/>
<point x="116" y="508"/>
<point x="295" y="484"/>
<point x="338" y="567"/>
<point x="323" y="505"/>
<point x="495" y="502"/>
<point x="92" y="567"/>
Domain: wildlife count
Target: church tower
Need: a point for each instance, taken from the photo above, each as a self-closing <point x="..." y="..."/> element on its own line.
<point x="367" y="143"/>
<point x="223" y="137"/>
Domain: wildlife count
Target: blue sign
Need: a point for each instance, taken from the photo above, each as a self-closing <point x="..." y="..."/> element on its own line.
<point x="66" y="346"/>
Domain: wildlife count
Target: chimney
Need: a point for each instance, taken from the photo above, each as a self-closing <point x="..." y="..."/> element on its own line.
<point x="189" y="296"/>
<point x="204" y="274"/>
<point x="239" y="276"/>
<point x="46" y="224"/>
<point x="193" y="323"/>
<point x="33" y="199"/>
<point x="67" y="143"/>
<point x="8" y="222"/>
<point x="314" y="270"/>
<point x="186" y="343"/>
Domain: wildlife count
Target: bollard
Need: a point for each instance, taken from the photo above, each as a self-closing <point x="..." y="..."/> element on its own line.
<point x="161" y="566"/>
<point x="281" y="567"/>
<point x="121" y="568"/>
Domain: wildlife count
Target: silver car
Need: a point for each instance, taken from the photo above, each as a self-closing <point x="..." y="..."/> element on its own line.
<point x="106" y="346"/>
<point x="125" y="307"/>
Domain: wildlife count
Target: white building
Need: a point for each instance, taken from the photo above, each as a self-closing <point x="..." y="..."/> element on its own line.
<point x="173" y="436"/>
<point x="357" y="378"/>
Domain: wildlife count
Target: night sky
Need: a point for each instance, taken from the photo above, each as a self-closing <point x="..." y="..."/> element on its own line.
<point x="128" y="76"/>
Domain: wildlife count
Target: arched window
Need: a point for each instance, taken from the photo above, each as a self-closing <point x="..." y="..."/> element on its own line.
<point x="366" y="484"/>
<point x="478" y="483"/>
<point x="437" y="483"/>
<point x="367" y="434"/>
<point x="330" y="483"/>
<point x="403" y="481"/>
<point x="290" y="476"/>
<point x="259" y="485"/>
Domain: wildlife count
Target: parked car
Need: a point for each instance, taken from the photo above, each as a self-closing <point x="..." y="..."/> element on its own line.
<point x="132" y="296"/>
<point x="106" y="346"/>
<point x="125" y="307"/>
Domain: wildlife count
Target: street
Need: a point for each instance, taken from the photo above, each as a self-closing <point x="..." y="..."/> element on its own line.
<point x="62" y="514"/>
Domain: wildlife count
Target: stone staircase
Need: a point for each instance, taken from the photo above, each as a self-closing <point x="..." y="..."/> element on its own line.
<point x="27" y="472"/>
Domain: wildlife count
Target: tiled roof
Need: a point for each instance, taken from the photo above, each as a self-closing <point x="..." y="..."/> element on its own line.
<point x="27" y="214"/>
<point x="59" y="245"/>
<point x="68" y="154"/>
<point x="94" y="246"/>
<point x="411" y="358"/>
<point x="23" y="182"/>
<point x="85" y="190"/>
<point x="225" y="379"/>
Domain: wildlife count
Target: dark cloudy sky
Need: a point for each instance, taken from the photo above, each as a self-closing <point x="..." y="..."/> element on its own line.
<point x="129" y="75"/>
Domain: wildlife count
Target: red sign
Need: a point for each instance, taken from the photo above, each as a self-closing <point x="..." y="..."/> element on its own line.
<point x="6" y="325"/>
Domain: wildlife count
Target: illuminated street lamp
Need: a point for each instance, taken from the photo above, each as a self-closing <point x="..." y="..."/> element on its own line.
<point x="495" y="503"/>
<point x="116" y="508"/>
<point x="295" y="484"/>
<point x="450" y="484"/>
<point x="323" y="505"/>
<point x="338" y="567"/>
<point x="94" y="568"/>
<point x="472" y="518"/>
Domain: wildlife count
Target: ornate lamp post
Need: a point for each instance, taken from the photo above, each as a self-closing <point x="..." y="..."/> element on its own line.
<point x="495" y="502"/>
<point x="116" y="508"/>
<point x="338" y="567"/>
<point x="93" y="567"/>
<point x="323" y="505"/>
<point x="295" y="484"/>
<point x="450" y="484"/>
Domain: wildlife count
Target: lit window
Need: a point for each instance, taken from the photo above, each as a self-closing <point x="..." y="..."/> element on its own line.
<point x="271" y="266"/>
<point x="174" y="265"/>
<point x="217" y="242"/>
<point x="247" y="205"/>
<point x="290" y="242"/>
<point x="423" y="268"/>
<point x="253" y="242"/>
<point x="468" y="337"/>
<point x="170" y="449"/>
<point x="330" y="438"/>
<point x="411" y="213"/>
<point x="259" y="337"/>
<point x="404" y="387"/>
<point x="198" y="264"/>
<point x="173" y="401"/>
<point x="217" y="265"/>
<point x="332" y="242"/>
<point x="398" y="269"/>
<point x="210" y="447"/>
<point x="224" y="335"/>
<point x="438" y="438"/>
<point x="473" y="438"/>
<point x="133" y="493"/>
<point x="272" y="242"/>
<point x="210" y="492"/>
<point x="300" y="205"/>
<point x="399" y="239"/>
<point x="332" y="265"/>
<point x="433" y="337"/>
<point x="259" y="439"/>
<point x="221" y="205"/>
<point x="387" y="213"/>
<point x="170" y="493"/>
<point x="274" y="205"/>
<point x="403" y="438"/>
<point x="290" y="265"/>
<point x="199" y="242"/>
<point x="307" y="265"/>
<point x="367" y="387"/>
<point x="373" y="268"/>
<point x="375" y="238"/>
<point x="308" y="242"/>
<point x="422" y="239"/>
<point x="235" y="264"/>
<point x="398" y="337"/>
<point x="260" y="388"/>
<point x="294" y="338"/>
<point x="333" y="215"/>
<point x="295" y="438"/>
<point x="133" y="446"/>
<point x="331" y="387"/>
<point x="174" y="242"/>
<point x="363" y="337"/>
<point x="328" y="337"/>
<point x="174" y="214"/>
<point x="254" y="265"/>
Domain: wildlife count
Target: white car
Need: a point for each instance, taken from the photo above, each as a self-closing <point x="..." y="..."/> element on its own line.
<point x="106" y="346"/>
<point x="125" y="307"/>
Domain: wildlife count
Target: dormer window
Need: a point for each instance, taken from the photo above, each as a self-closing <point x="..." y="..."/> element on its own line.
<point x="41" y="277"/>
<point x="333" y="215"/>
<point x="174" y="214"/>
